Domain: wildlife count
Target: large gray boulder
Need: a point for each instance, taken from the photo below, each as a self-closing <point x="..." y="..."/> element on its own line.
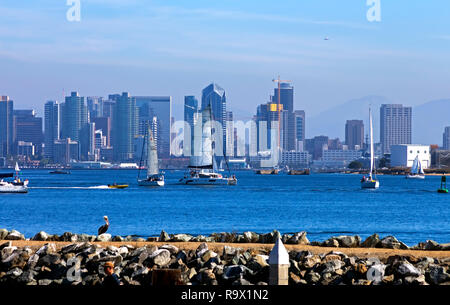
<point x="348" y="241"/>
<point x="181" y="237"/>
<point x="437" y="275"/>
<point x="250" y="237"/>
<point x="407" y="269"/>
<point x="41" y="236"/>
<point x="104" y="237"/>
<point x="390" y="242"/>
<point x="161" y="257"/>
<point x="298" y="239"/>
<point x="15" y="235"/>
<point x="3" y="234"/>
<point x="371" y="242"/>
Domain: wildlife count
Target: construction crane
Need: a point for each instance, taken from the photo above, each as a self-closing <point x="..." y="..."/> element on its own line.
<point x="279" y="81"/>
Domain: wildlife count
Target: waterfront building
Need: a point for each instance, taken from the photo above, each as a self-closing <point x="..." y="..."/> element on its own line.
<point x="65" y="151"/>
<point x="295" y="159"/>
<point x="161" y="108"/>
<point x="316" y="146"/>
<point x="6" y="126"/>
<point x="354" y="134"/>
<point x="125" y="127"/>
<point x="446" y="139"/>
<point x="230" y="136"/>
<point x="52" y="127"/>
<point x="403" y="155"/>
<point x="25" y="149"/>
<point x="300" y="128"/>
<point x="395" y="126"/>
<point x="28" y="128"/>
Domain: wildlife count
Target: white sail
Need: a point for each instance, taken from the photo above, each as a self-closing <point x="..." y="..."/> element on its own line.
<point x="415" y="166"/>
<point x="421" y="172"/>
<point x="203" y="152"/>
<point x="17" y="169"/>
<point x="152" y="156"/>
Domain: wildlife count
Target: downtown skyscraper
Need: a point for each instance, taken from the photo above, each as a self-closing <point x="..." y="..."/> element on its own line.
<point x="214" y="95"/>
<point x="446" y="138"/>
<point x="395" y="126"/>
<point x="6" y="126"/>
<point x="74" y="116"/>
<point x="52" y="127"/>
<point x="125" y="127"/>
<point x="354" y="134"/>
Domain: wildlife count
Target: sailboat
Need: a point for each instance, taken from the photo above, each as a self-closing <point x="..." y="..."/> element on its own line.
<point x="416" y="170"/>
<point x="154" y="177"/>
<point x="203" y="168"/>
<point x="370" y="182"/>
<point x="16" y="186"/>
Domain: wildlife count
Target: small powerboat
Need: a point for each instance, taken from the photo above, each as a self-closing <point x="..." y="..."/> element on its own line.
<point x="60" y="172"/>
<point x="117" y="186"/>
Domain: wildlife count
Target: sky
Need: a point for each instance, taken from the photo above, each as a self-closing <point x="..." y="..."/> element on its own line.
<point x="170" y="47"/>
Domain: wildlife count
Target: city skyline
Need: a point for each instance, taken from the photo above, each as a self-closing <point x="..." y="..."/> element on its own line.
<point x="360" y="58"/>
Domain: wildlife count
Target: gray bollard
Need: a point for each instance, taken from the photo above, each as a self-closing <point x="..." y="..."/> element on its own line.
<point x="279" y="265"/>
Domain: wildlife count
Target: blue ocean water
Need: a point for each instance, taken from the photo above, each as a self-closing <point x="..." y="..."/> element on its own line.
<point x="324" y="205"/>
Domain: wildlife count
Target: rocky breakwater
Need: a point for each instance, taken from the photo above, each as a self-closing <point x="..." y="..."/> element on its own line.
<point x="81" y="263"/>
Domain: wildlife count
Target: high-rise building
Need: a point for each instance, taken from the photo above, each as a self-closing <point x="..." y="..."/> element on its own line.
<point x="124" y="127"/>
<point x="52" y="127"/>
<point x="286" y="96"/>
<point x="74" y="116"/>
<point x="161" y="108"/>
<point x="28" y="128"/>
<point x="354" y="134"/>
<point x="6" y="126"/>
<point x="446" y="139"/>
<point x="229" y="152"/>
<point x="190" y="118"/>
<point x="94" y="106"/>
<point x="104" y="124"/>
<point x="87" y="142"/>
<point x="395" y="126"/>
<point x="300" y="127"/>
<point x="215" y="96"/>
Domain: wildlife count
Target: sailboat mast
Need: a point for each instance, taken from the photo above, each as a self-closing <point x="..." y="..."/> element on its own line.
<point x="371" y="143"/>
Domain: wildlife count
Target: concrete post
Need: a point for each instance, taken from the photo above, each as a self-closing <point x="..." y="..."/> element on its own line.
<point x="279" y="265"/>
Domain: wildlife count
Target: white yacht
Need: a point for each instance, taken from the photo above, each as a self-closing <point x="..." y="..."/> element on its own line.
<point x="416" y="170"/>
<point x="154" y="177"/>
<point x="15" y="186"/>
<point x="202" y="165"/>
<point x="370" y="182"/>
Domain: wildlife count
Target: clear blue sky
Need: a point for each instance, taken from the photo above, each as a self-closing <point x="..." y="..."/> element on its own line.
<point x="169" y="47"/>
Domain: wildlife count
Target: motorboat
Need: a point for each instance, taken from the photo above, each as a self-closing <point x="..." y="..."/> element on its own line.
<point x="117" y="186"/>
<point x="16" y="186"/>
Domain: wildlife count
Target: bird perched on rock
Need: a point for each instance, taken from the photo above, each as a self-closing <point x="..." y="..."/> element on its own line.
<point x="105" y="227"/>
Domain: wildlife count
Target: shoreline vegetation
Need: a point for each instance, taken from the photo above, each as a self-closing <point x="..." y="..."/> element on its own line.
<point x="219" y="259"/>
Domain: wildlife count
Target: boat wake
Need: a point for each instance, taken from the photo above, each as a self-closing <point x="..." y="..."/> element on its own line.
<point x="97" y="187"/>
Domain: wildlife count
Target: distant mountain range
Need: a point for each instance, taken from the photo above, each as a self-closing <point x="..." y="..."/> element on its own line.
<point x="429" y="119"/>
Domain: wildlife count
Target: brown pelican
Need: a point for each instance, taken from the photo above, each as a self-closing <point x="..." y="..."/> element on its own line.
<point x="105" y="227"/>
